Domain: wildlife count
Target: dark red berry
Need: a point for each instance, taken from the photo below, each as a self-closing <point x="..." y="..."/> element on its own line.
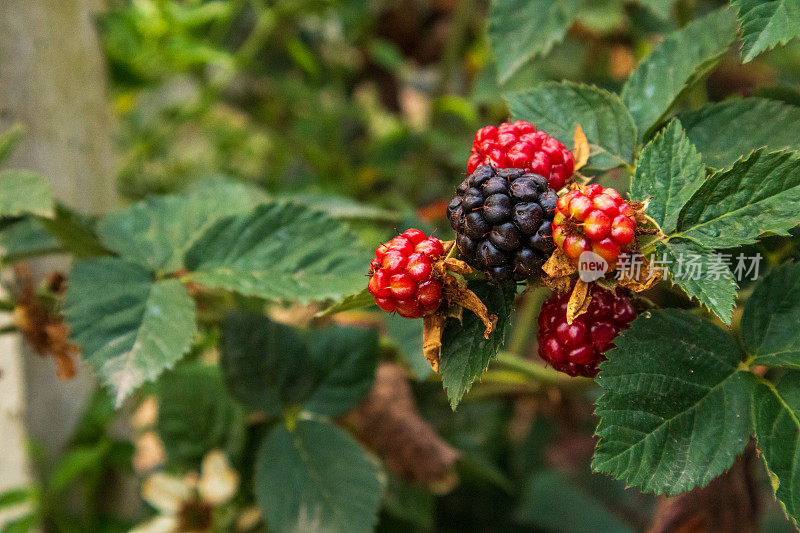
<point x="401" y="276"/>
<point x="521" y="146"/>
<point x="578" y="348"/>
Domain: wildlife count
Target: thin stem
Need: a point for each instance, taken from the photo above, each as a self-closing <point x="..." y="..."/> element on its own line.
<point x="537" y="372"/>
<point x="5" y="305"/>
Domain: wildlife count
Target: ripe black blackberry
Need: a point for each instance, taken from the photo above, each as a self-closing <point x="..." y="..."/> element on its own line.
<point x="503" y="222"/>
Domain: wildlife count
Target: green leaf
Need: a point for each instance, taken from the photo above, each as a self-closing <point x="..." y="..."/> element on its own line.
<point x="316" y="478"/>
<point x="24" y="239"/>
<point x="266" y="364"/>
<point x="9" y="141"/>
<point x="157" y="232"/>
<point x="545" y="487"/>
<point x="196" y="414"/>
<point x="776" y="414"/>
<point x="76" y="462"/>
<point x="735" y="206"/>
<point x="130" y="327"/>
<point x="358" y="300"/>
<point x="769" y="322"/>
<point x="558" y="108"/>
<point x="465" y="351"/>
<point x="661" y="8"/>
<point x="344" y="360"/>
<point x="341" y="207"/>
<point x="280" y="252"/>
<point x="24" y="192"/>
<point x="74" y="232"/>
<point x="668" y="172"/>
<point x="766" y="24"/>
<point x="16" y="496"/>
<point x="521" y="30"/>
<point x="675" y="409"/>
<point x="684" y="57"/>
<point x="701" y="273"/>
<point x="724" y="131"/>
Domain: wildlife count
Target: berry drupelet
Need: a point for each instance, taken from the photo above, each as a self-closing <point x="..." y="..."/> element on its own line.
<point x="578" y="348"/>
<point x="502" y="220"/>
<point x="401" y="276"/>
<point x="596" y="219"/>
<point x="521" y="145"/>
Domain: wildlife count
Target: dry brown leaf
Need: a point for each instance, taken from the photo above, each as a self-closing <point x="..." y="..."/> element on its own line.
<point x="580" y="150"/>
<point x="432" y="329"/>
<point x="388" y="422"/>
<point x="579" y="300"/>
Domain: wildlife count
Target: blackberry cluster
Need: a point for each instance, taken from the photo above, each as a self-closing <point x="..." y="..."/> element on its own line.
<point x="503" y="222"/>
<point x="578" y="348"/>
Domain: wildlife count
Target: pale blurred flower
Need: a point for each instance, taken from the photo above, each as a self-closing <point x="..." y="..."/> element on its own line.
<point x="186" y="504"/>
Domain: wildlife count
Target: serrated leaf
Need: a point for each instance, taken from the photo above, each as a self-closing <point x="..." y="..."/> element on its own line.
<point x="280" y="252"/>
<point x="196" y="414"/>
<point x="316" y="478"/>
<point x="766" y="24"/>
<point x="265" y="364"/>
<point x="771" y="316"/>
<point x="344" y="361"/>
<point x="465" y="351"/>
<point x="520" y="30"/>
<point x="547" y="486"/>
<point x="776" y="413"/>
<point x="684" y="57"/>
<point x="157" y="232"/>
<point x="736" y="206"/>
<point x="701" y="274"/>
<point x="24" y="192"/>
<point x="723" y="131"/>
<point x="558" y="108"/>
<point x="675" y="409"/>
<point x="131" y="328"/>
<point x="668" y="172"/>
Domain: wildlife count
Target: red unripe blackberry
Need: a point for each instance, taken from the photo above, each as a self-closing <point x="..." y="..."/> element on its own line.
<point x="401" y="275"/>
<point x="521" y="145"/>
<point x="593" y="218"/>
<point x="578" y="348"/>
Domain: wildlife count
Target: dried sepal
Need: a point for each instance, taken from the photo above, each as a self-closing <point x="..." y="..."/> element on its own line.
<point x="580" y="150"/>
<point x="432" y="330"/>
<point x="558" y="272"/>
<point x="456" y="266"/>
<point x="641" y="279"/>
<point x="456" y="293"/>
<point x="41" y="324"/>
<point x="579" y="300"/>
